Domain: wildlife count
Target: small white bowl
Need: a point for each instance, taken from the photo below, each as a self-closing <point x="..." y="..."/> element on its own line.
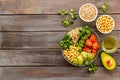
<point x="112" y="25"/>
<point x="87" y="5"/>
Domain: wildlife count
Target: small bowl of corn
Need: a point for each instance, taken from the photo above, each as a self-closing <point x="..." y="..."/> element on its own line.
<point x="105" y="24"/>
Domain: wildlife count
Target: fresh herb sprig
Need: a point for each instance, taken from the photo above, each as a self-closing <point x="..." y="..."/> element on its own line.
<point x="66" y="42"/>
<point x="104" y="7"/>
<point x="92" y="68"/>
<point x="66" y="22"/>
<point x="62" y="12"/>
<point x="72" y="14"/>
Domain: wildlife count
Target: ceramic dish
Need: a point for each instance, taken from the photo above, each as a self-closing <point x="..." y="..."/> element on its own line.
<point x="105" y="24"/>
<point x="80" y="52"/>
<point x="88" y="12"/>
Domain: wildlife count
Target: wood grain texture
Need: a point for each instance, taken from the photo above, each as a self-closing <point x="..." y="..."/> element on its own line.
<point x="40" y="58"/>
<point x="52" y="7"/>
<point x="57" y="73"/>
<point x="18" y="40"/>
<point x="1" y="6"/>
<point x="43" y="23"/>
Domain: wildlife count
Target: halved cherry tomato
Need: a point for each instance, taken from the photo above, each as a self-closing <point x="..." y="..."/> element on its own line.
<point x="84" y="48"/>
<point x="94" y="52"/>
<point x="95" y="45"/>
<point x="93" y="37"/>
<point x="89" y="42"/>
<point x="87" y="49"/>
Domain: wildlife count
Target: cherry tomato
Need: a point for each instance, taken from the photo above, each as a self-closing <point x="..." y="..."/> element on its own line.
<point x="94" y="52"/>
<point x="93" y="37"/>
<point x="95" y="45"/>
<point x="89" y="42"/>
<point x="87" y="49"/>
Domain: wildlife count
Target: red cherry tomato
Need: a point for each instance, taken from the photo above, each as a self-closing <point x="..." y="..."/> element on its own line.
<point x="94" y="52"/>
<point x="89" y="42"/>
<point x="95" y="45"/>
<point x="93" y="37"/>
<point x="87" y="49"/>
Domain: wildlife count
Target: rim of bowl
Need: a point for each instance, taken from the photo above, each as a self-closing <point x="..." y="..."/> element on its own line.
<point x="95" y="9"/>
<point x="108" y="31"/>
<point x="98" y="39"/>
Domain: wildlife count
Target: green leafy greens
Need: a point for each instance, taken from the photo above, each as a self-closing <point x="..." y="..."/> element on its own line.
<point x="62" y="12"/>
<point x="72" y="14"/>
<point x="66" y="42"/>
<point x="92" y="68"/>
<point x="85" y="33"/>
<point x="66" y="22"/>
<point x="104" y="7"/>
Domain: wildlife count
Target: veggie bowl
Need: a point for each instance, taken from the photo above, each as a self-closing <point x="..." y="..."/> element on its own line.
<point x="80" y="46"/>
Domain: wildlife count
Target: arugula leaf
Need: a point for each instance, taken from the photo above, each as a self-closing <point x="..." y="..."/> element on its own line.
<point x="92" y="68"/>
<point x="66" y="22"/>
<point x="66" y="42"/>
<point x="72" y="14"/>
<point x="62" y="12"/>
<point x="105" y="7"/>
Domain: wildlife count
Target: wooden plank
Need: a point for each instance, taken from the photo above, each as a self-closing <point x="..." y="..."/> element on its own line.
<point x="52" y="7"/>
<point x="43" y="23"/>
<point x="33" y="57"/>
<point x="1" y="8"/>
<point x="57" y="73"/>
<point x="14" y="40"/>
<point x="40" y="58"/>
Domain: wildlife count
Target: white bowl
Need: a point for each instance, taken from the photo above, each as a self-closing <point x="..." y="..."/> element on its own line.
<point x="95" y="11"/>
<point x="107" y="31"/>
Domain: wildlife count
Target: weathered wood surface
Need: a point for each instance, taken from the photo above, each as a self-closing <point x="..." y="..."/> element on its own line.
<point x="39" y="39"/>
<point x="30" y="43"/>
<point x="43" y="23"/>
<point x="57" y="73"/>
<point x="51" y="6"/>
<point x="40" y="57"/>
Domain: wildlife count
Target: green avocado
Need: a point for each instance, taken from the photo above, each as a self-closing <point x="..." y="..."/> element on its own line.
<point x="78" y="60"/>
<point x="75" y="61"/>
<point x="84" y="54"/>
<point x="108" y="61"/>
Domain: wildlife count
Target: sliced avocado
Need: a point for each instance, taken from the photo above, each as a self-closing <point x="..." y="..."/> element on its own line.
<point x="91" y="55"/>
<point x="80" y="59"/>
<point x="87" y="55"/>
<point x="108" y="61"/>
<point x="84" y="54"/>
<point x="75" y="61"/>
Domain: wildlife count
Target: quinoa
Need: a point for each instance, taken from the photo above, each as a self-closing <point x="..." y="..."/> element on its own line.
<point x="88" y="12"/>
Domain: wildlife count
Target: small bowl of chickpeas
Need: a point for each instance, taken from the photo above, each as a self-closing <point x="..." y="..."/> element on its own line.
<point x="105" y="24"/>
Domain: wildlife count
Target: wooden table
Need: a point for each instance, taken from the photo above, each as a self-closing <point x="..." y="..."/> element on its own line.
<point x="30" y="33"/>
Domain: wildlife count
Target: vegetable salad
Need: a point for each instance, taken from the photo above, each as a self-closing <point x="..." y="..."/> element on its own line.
<point x="80" y="46"/>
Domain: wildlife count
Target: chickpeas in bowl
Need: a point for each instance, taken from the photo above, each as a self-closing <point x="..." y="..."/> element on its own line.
<point x="105" y="24"/>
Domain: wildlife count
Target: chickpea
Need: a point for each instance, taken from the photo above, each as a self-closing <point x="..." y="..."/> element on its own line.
<point x="105" y="23"/>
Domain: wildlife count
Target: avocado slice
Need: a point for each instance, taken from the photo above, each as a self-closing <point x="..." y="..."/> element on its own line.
<point x="80" y="59"/>
<point x="84" y="54"/>
<point x="108" y="61"/>
<point x="75" y="61"/>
